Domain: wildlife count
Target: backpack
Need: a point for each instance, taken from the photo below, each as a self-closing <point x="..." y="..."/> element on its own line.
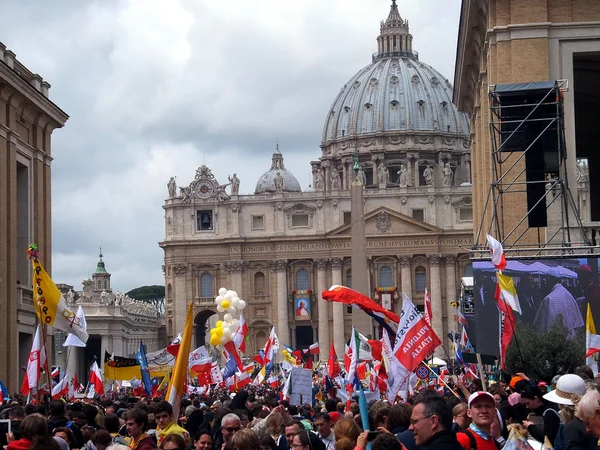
<point x="473" y="442"/>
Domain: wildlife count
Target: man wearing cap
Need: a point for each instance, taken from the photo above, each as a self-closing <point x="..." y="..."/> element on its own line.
<point x="482" y="411"/>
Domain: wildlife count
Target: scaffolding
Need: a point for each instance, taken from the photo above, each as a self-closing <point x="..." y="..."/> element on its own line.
<point x="528" y="161"/>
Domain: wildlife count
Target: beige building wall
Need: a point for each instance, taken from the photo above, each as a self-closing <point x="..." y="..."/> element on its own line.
<point x="512" y="41"/>
<point x="27" y="119"/>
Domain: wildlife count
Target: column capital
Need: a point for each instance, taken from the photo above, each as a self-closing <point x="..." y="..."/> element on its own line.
<point x="278" y="265"/>
<point x="434" y="259"/>
<point x="321" y="263"/>
<point x="180" y="269"/>
<point x="450" y="259"/>
<point x="337" y="263"/>
<point x="236" y="266"/>
<point x="404" y="260"/>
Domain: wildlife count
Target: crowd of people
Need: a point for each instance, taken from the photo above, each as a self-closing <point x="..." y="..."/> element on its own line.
<point x="562" y="415"/>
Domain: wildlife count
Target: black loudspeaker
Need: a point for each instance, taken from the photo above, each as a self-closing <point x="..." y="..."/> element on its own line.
<point x="531" y="120"/>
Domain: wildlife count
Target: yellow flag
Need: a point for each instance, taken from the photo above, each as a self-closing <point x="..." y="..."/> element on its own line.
<point x="589" y="321"/>
<point x="51" y="306"/>
<point x="180" y="371"/>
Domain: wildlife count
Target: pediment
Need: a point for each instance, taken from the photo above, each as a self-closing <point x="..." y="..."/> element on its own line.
<point x="299" y="208"/>
<point x="384" y="221"/>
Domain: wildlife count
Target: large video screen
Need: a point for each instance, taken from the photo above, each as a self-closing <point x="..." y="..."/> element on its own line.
<point x="547" y="289"/>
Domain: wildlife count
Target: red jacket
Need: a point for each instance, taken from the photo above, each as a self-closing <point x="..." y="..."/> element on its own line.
<point x="145" y="444"/>
<point x="19" y="444"/>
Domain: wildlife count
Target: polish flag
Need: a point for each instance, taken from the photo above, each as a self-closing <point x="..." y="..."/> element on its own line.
<point x="37" y="361"/>
<point x="507" y="324"/>
<point x="464" y="338"/>
<point x="497" y="252"/>
<point x="240" y="335"/>
<point x="96" y="379"/>
<point x="314" y="348"/>
<point x="458" y="316"/>
<point x="273" y="382"/>
<point x="243" y="380"/>
<point x="62" y="388"/>
<point x="428" y="313"/>
<point x="73" y="387"/>
<point x="173" y="347"/>
<point x="202" y="365"/>
<point x="271" y="345"/>
<point x="55" y="372"/>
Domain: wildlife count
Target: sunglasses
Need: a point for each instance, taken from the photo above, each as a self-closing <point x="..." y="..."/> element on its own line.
<point x="232" y="429"/>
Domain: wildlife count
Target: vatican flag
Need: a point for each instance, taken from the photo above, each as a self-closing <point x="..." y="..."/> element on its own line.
<point x="180" y="371"/>
<point x="51" y="306"/>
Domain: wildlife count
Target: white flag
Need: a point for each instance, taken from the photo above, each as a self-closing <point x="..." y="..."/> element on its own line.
<point x="72" y="340"/>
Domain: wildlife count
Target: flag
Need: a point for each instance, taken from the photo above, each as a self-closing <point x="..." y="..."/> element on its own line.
<point x="173" y="347"/>
<point x="416" y="339"/>
<point x="497" y="252"/>
<point x="121" y="368"/>
<point x="96" y="378"/>
<point x="260" y="357"/>
<point x="62" y="388"/>
<point x="428" y="313"/>
<point x="215" y="373"/>
<point x="347" y="357"/>
<point x="141" y="357"/>
<point x="155" y="383"/>
<point x="51" y="306"/>
<point x="329" y="386"/>
<point x="463" y="338"/>
<point x="273" y="382"/>
<point x="233" y="353"/>
<point x="72" y="340"/>
<point x="314" y="348"/>
<point x="201" y="365"/>
<point x="376" y="349"/>
<point x="506" y="327"/>
<point x="55" y="373"/>
<point x="4" y="390"/>
<point x="592" y="340"/>
<point x="73" y="387"/>
<point x="271" y="345"/>
<point x="458" y="316"/>
<point x="242" y="380"/>
<point x="35" y="363"/>
<point x="180" y="372"/>
<point x="333" y="366"/>
<point x="198" y="357"/>
<point x="509" y="292"/>
<point x="240" y="335"/>
<point x="354" y="350"/>
<point x="386" y="318"/>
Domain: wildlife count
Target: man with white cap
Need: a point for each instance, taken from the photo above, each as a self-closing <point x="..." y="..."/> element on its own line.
<point x="482" y="411"/>
<point x="569" y="390"/>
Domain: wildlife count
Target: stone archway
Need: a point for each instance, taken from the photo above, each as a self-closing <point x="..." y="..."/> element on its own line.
<point x="201" y="326"/>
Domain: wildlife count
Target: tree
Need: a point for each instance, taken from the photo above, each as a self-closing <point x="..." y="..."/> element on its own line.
<point x="151" y="294"/>
<point x="542" y="354"/>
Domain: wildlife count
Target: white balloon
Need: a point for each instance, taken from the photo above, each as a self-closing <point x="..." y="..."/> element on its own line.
<point x="235" y="302"/>
<point x="229" y="294"/>
<point x="218" y="299"/>
<point x="222" y="291"/>
<point x="233" y="293"/>
<point x="241" y="305"/>
<point x="235" y="323"/>
<point x="223" y="339"/>
<point x="227" y="317"/>
<point x="227" y="332"/>
<point x="232" y="310"/>
<point x="233" y="327"/>
<point x="220" y="308"/>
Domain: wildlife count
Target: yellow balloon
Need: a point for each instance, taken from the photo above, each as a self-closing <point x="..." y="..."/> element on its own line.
<point x="225" y="304"/>
<point x="213" y="331"/>
<point x="218" y="332"/>
<point x="219" y="323"/>
<point x="214" y="340"/>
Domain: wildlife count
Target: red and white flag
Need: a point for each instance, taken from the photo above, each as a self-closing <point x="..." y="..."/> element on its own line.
<point x="35" y="364"/>
<point x="215" y="373"/>
<point x="73" y="387"/>
<point x="497" y="252"/>
<point x="333" y="366"/>
<point x="96" y="379"/>
<point x="240" y="335"/>
<point x="347" y="357"/>
<point x="314" y="348"/>
<point x="173" y="347"/>
<point x="507" y="325"/>
<point x="464" y="338"/>
<point x="55" y="372"/>
<point x="242" y="380"/>
<point x="427" y="302"/>
<point x="62" y="388"/>
<point x="273" y="382"/>
<point x="458" y="316"/>
<point x="271" y="346"/>
<point x="202" y="365"/>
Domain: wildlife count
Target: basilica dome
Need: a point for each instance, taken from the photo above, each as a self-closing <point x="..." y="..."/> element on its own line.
<point x="268" y="181"/>
<point x="395" y="93"/>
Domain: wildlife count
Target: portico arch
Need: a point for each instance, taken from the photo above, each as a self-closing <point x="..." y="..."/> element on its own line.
<point x="201" y="326"/>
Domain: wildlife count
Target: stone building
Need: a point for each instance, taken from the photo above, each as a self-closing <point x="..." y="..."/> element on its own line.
<point x="281" y="247"/>
<point x="27" y="119"/>
<point x="115" y="323"/>
<point x="510" y="41"/>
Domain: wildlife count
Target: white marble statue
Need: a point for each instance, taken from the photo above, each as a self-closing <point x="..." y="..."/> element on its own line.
<point x="362" y="176"/>
<point x="105" y="298"/>
<point x="447" y="172"/>
<point x="403" y="176"/>
<point x="235" y="184"/>
<point x="335" y="180"/>
<point x="278" y="182"/>
<point x="172" y="187"/>
<point x="428" y="175"/>
<point x="318" y="181"/>
<point x="382" y="175"/>
<point x="70" y="297"/>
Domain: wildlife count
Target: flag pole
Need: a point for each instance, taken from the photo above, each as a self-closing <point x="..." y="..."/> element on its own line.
<point x="440" y="379"/>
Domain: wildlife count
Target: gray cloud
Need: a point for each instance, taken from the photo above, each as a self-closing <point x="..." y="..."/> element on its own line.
<point x="157" y="87"/>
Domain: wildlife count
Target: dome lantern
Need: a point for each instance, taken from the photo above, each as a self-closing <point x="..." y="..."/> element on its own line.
<point x="277" y="178"/>
<point x="394" y="37"/>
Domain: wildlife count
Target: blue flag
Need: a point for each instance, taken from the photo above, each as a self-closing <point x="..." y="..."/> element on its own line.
<point x="230" y="368"/>
<point x="141" y="357"/>
<point x="3" y="390"/>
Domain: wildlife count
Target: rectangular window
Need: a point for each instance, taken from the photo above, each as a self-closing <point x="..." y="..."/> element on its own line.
<point x="466" y="214"/>
<point x="418" y="214"/>
<point x="299" y="220"/>
<point x="347" y="218"/>
<point x="205" y="220"/>
<point x="258" y="222"/>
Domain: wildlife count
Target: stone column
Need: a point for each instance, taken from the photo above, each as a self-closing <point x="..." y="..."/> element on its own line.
<point x="235" y="218"/>
<point x="283" y="327"/>
<point x="450" y="261"/>
<point x="180" y="302"/>
<point x="338" y="308"/>
<point x="361" y="321"/>
<point x="323" y="332"/>
<point x="436" y="294"/>
<point x="235" y="268"/>
<point x="405" y="280"/>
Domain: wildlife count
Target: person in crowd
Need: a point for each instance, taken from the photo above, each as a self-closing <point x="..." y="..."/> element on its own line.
<point x="533" y="400"/>
<point x="100" y="440"/>
<point x="482" y="412"/>
<point x="267" y="443"/>
<point x="588" y="411"/>
<point x="91" y="414"/>
<point x="113" y="425"/>
<point x="346" y="433"/>
<point x="203" y="440"/>
<point x="326" y="434"/>
<point x="230" y="424"/>
<point x="16" y="414"/>
<point x="460" y="419"/>
<point x="294" y="427"/>
<point x="136" y="421"/>
<point x="66" y="435"/>
<point x="165" y="424"/>
<point x="245" y="439"/>
<point x="301" y="441"/>
<point x="498" y="430"/>
<point x="173" y="441"/>
<point x="33" y="426"/>
<point x="59" y="420"/>
<point x="431" y="424"/>
<point x="398" y="419"/>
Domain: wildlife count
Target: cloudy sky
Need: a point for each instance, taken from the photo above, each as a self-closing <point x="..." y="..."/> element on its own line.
<point x="156" y="88"/>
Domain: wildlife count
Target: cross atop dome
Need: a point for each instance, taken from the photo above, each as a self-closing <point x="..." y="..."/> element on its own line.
<point x="394" y="37"/>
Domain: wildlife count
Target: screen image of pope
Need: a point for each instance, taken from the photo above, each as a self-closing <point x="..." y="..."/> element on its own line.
<point x="302" y="309"/>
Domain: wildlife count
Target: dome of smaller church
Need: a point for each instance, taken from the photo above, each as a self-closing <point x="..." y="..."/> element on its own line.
<point x="277" y="178"/>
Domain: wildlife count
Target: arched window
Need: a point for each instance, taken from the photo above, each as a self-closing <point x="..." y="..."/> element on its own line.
<point x="259" y="283"/>
<point x="420" y="279"/>
<point x="385" y="277"/>
<point x="206" y="285"/>
<point x="302" y="280"/>
<point x="348" y="278"/>
<point x="99" y="284"/>
<point x="468" y="272"/>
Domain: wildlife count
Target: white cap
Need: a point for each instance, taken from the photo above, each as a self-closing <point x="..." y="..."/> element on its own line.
<point x="475" y="395"/>
<point x="569" y="389"/>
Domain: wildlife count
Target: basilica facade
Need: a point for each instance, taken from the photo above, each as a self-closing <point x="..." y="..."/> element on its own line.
<point x="282" y="246"/>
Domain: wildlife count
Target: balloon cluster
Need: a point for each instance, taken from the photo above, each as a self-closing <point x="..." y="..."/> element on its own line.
<point x="229" y="303"/>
